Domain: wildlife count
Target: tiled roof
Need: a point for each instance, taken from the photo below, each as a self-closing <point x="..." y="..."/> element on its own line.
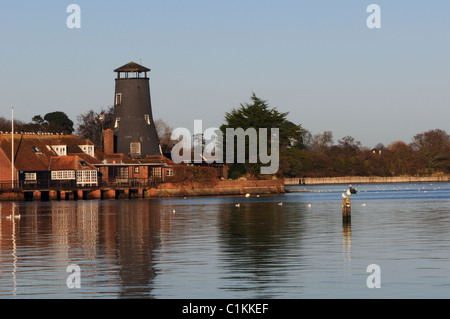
<point x="30" y="154"/>
<point x="71" y="162"/>
<point x="156" y="159"/>
<point x="31" y="151"/>
<point x="88" y="158"/>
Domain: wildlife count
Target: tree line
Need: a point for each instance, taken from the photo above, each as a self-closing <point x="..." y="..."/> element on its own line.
<point x="54" y="122"/>
<point x="301" y="154"/>
<point x="428" y="153"/>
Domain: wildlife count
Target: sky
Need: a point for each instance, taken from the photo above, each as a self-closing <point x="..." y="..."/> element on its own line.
<point x="317" y="60"/>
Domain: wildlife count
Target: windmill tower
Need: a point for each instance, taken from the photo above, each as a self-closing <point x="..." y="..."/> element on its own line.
<point x="134" y="130"/>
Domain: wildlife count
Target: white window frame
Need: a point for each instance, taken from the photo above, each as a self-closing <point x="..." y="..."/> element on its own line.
<point x="116" y="123"/>
<point x="157" y="171"/>
<point x="88" y="149"/>
<point x="86" y="177"/>
<point x="30" y="176"/>
<point x="62" y="175"/>
<point x="118" y="98"/>
<point x="60" y="150"/>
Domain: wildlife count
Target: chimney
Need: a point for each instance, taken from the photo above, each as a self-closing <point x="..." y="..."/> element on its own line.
<point x="109" y="141"/>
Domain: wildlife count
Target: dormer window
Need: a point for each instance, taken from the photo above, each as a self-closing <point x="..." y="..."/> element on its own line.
<point x="60" y="150"/>
<point x="88" y="149"/>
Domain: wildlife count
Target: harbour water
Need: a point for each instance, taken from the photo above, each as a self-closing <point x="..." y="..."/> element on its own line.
<point x="210" y="248"/>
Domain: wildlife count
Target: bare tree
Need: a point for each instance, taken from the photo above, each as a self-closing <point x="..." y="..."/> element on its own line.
<point x="348" y="143"/>
<point x="434" y="146"/>
<point x="321" y="142"/>
<point x="91" y="125"/>
<point x="164" y="132"/>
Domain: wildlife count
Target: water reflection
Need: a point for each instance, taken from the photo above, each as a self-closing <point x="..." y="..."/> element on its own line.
<point x="209" y="248"/>
<point x="136" y="238"/>
<point x="347" y="241"/>
<point x="256" y="241"/>
<point x="112" y="242"/>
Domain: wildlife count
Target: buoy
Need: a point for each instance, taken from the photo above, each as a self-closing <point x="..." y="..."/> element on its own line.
<point x="247" y="195"/>
<point x="237" y="205"/>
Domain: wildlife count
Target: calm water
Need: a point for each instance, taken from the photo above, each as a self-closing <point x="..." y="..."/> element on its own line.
<point x="209" y="248"/>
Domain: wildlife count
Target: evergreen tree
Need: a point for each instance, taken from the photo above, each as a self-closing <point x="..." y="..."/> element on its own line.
<point x="258" y="115"/>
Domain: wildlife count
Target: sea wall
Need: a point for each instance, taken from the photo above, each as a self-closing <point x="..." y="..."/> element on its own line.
<point x="366" y="180"/>
<point x="222" y="188"/>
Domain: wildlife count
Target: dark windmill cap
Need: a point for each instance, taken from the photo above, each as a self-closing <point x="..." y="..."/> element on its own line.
<point x="132" y="67"/>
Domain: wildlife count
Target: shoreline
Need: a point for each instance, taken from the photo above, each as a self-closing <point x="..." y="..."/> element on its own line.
<point x="365" y="180"/>
<point x="164" y="190"/>
<point x="221" y="188"/>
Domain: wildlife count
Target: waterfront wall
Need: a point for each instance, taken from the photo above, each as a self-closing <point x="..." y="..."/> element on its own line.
<point x="366" y="180"/>
<point x="221" y="188"/>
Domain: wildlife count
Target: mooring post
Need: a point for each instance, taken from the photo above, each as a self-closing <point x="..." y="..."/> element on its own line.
<point x="346" y="210"/>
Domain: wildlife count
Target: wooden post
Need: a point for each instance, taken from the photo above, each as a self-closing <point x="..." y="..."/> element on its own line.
<point x="346" y="210"/>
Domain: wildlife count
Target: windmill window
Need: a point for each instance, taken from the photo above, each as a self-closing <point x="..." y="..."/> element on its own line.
<point x="147" y="119"/>
<point x="116" y="124"/>
<point x="135" y="148"/>
<point x="118" y="98"/>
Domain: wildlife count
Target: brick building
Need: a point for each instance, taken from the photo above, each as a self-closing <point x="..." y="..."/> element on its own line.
<point x="65" y="161"/>
<point x="44" y="160"/>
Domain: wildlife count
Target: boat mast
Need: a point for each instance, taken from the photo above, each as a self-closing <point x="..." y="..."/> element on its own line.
<point x="12" y="148"/>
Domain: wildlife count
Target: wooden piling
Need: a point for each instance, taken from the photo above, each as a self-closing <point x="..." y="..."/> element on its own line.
<point x="346" y="210"/>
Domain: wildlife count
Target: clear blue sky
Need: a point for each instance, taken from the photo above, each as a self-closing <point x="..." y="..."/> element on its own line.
<point x="316" y="60"/>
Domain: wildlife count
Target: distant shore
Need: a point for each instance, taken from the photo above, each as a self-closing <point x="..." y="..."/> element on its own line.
<point x="365" y="180"/>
